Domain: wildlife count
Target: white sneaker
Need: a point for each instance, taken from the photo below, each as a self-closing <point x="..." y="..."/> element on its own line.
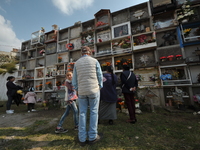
<point x="9" y="112"/>
<point x="29" y="111"/>
<point x="33" y="110"/>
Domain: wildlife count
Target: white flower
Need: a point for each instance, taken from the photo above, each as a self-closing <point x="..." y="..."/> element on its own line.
<point x="187" y="6"/>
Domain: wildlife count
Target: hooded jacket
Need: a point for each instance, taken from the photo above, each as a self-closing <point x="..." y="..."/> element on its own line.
<point x="30" y="97"/>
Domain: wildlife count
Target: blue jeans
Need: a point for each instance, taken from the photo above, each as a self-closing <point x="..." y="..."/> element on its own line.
<point x="66" y="113"/>
<point x="93" y="102"/>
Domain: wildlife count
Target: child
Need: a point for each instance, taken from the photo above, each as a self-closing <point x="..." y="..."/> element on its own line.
<point x="70" y="98"/>
<point x="30" y="99"/>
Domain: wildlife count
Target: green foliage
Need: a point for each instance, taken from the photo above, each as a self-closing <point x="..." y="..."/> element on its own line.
<point x="3" y="71"/>
<point x="9" y="67"/>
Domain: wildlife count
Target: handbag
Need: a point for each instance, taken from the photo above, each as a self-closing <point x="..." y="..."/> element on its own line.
<point x="72" y="95"/>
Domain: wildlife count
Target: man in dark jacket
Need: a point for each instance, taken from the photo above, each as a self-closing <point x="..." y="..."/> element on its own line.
<point x="129" y="85"/>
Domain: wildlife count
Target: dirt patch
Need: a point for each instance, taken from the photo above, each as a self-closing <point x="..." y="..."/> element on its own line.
<point x="21" y="118"/>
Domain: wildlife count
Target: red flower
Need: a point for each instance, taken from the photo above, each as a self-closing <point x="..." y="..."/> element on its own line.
<point x="178" y="55"/>
<point x="170" y="56"/>
<point x="163" y="57"/>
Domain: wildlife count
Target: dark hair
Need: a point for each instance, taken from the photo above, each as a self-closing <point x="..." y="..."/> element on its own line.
<point x="110" y="69"/>
<point x="31" y="89"/>
<point x="10" y="77"/>
<point x="126" y="67"/>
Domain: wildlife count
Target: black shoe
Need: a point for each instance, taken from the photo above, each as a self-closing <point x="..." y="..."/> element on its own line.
<point x="99" y="137"/>
<point x="1" y="105"/>
<point x="61" y="130"/>
<point x="134" y="121"/>
<point x="83" y="143"/>
<point x="76" y="128"/>
<point x="110" y="122"/>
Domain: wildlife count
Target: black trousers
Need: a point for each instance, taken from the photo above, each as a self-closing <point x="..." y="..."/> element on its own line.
<point x="31" y="106"/>
<point x="9" y="102"/>
<point x="130" y="102"/>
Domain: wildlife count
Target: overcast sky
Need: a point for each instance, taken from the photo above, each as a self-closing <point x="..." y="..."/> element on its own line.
<point x="20" y="18"/>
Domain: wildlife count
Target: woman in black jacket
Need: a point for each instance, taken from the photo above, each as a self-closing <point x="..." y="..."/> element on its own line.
<point x="12" y="89"/>
<point x="129" y="85"/>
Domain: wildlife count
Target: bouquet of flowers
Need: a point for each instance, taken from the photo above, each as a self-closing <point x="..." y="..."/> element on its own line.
<point x="186" y="32"/>
<point x="58" y="83"/>
<point x="139" y="77"/>
<point x="163" y="58"/>
<point x="185" y="12"/>
<point x="42" y="51"/>
<point x="153" y="77"/>
<point x="49" y="84"/>
<point x="59" y="59"/>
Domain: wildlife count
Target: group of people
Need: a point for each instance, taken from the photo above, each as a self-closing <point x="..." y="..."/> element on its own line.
<point x="94" y="91"/>
<point x="97" y="92"/>
<point x="12" y="94"/>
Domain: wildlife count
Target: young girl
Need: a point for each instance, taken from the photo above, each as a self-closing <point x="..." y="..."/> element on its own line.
<point x="30" y="98"/>
<point x="70" y="98"/>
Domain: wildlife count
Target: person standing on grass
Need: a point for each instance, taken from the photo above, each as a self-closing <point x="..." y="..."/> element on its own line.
<point x="70" y="98"/>
<point x="11" y="93"/>
<point x="129" y="85"/>
<point x="87" y="81"/>
<point x="108" y="96"/>
<point x="30" y="99"/>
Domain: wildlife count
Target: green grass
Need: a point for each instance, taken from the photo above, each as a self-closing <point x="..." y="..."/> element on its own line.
<point x="160" y="130"/>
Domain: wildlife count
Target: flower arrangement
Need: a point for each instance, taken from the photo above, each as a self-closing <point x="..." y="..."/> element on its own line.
<point x="100" y="23"/>
<point x="58" y="83"/>
<point x="154" y="77"/>
<point x="37" y="87"/>
<point x="125" y="43"/>
<point x="186" y="32"/>
<point x="143" y="39"/>
<point x="138" y="77"/>
<point x="137" y="103"/>
<point x="104" y="65"/>
<point x="70" y="66"/>
<point x="178" y="56"/>
<point x="59" y="59"/>
<point x="120" y="63"/>
<point x="163" y="58"/>
<point x="49" y="84"/>
<point x="42" y="51"/>
<point x="170" y="57"/>
<point x="176" y="74"/>
<point x="40" y="86"/>
<point x="185" y="13"/>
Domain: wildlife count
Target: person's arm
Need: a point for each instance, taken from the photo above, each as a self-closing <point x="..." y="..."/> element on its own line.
<point x="135" y="85"/>
<point x="99" y="74"/>
<point x="74" y="79"/>
<point x="12" y="85"/>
